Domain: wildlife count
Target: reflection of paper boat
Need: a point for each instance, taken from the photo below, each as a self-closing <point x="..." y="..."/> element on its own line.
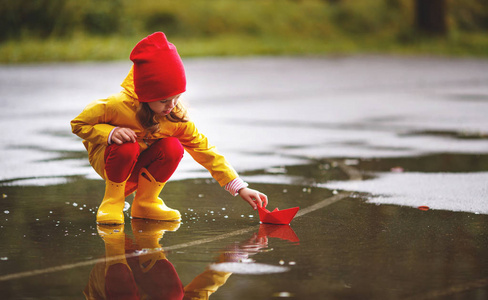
<point x="283" y="232"/>
<point x="281" y="217"/>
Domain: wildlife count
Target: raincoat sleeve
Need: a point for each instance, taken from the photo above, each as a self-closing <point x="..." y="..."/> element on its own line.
<point x="197" y="145"/>
<point x="92" y="124"/>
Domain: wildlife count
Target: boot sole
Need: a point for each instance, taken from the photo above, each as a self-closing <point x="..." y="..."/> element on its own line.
<point x="157" y="219"/>
<point x="110" y="223"/>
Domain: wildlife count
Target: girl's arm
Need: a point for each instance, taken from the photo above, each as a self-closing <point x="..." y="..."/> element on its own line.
<point x="92" y="123"/>
<point x="253" y="197"/>
<point x="197" y="145"/>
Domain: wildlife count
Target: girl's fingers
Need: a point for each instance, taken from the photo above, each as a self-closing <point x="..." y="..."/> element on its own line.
<point x="264" y="198"/>
<point x="254" y="198"/>
<point x="117" y="140"/>
<point x="132" y="135"/>
<point x="125" y="135"/>
<point x="253" y="205"/>
<point x="129" y="137"/>
<point x="261" y="203"/>
<point x="258" y="200"/>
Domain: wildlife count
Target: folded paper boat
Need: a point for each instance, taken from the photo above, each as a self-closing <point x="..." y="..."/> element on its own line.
<point x="280" y="217"/>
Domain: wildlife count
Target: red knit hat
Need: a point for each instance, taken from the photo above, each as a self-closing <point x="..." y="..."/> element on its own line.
<point x="158" y="69"/>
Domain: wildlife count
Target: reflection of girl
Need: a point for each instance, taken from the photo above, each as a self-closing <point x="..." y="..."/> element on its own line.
<point x="139" y="269"/>
<point x="209" y="281"/>
<point x="135" y="139"/>
<point x="125" y="275"/>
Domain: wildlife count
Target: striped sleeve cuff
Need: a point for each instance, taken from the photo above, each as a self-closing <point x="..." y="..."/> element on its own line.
<point x="235" y="186"/>
<point x="109" y="141"/>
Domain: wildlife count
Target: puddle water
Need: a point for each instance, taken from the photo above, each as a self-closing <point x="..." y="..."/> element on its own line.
<point x="447" y="162"/>
<point x="461" y="135"/>
<point x="52" y="248"/>
<point x="454" y="182"/>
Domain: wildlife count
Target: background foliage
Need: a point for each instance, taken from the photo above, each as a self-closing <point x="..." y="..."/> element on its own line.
<point x="37" y="30"/>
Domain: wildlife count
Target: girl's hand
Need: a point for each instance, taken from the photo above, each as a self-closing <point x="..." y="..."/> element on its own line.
<point x="253" y="197"/>
<point x="122" y="135"/>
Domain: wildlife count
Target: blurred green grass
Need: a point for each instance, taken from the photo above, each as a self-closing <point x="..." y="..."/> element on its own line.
<point x="64" y="30"/>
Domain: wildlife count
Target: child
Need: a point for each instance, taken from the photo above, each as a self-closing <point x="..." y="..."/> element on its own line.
<point x="135" y="139"/>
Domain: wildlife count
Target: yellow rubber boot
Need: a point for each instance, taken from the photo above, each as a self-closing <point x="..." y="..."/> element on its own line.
<point x="147" y="234"/>
<point x="147" y="204"/>
<point x="111" y="209"/>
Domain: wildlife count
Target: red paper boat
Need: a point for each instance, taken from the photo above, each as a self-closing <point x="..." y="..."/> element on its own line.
<point x="280" y="217"/>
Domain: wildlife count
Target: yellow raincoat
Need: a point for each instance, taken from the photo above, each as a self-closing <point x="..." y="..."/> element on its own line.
<point x="97" y="120"/>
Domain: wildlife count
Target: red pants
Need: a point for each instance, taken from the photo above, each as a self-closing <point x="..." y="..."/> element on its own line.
<point x="161" y="160"/>
<point x="160" y="282"/>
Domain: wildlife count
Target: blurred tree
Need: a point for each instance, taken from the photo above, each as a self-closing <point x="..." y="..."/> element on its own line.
<point x="57" y="18"/>
<point x="163" y="20"/>
<point x="103" y="16"/>
<point x="430" y="16"/>
<point x="40" y="18"/>
<point x="469" y="15"/>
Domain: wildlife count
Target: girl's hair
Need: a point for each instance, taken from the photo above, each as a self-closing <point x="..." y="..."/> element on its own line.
<point x="150" y="121"/>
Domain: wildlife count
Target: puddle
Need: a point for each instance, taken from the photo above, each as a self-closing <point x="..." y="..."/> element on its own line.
<point x="321" y="170"/>
<point x="344" y="249"/>
<point x="469" y="97"/>
<point x="447" y="162"/>
<point x="461" y="135"/>
<point x="455" y="182"/>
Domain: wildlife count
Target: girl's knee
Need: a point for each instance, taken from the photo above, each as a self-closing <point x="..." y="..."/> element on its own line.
<point x="171" y="148"/>
<point x="126" y="152"/>
<point x="120" y="160"/>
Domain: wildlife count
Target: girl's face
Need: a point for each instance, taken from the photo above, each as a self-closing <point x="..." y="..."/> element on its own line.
<point x="165" y="106"/>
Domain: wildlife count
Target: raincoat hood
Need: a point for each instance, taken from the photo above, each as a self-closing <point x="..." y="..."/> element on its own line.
<point x="128" y="84"/>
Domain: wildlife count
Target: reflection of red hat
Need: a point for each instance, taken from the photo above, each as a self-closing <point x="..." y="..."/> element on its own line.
<point x="158" y="69"/>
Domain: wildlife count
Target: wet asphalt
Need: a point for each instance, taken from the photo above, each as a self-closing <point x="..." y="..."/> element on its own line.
<point x="385" y="156"/>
